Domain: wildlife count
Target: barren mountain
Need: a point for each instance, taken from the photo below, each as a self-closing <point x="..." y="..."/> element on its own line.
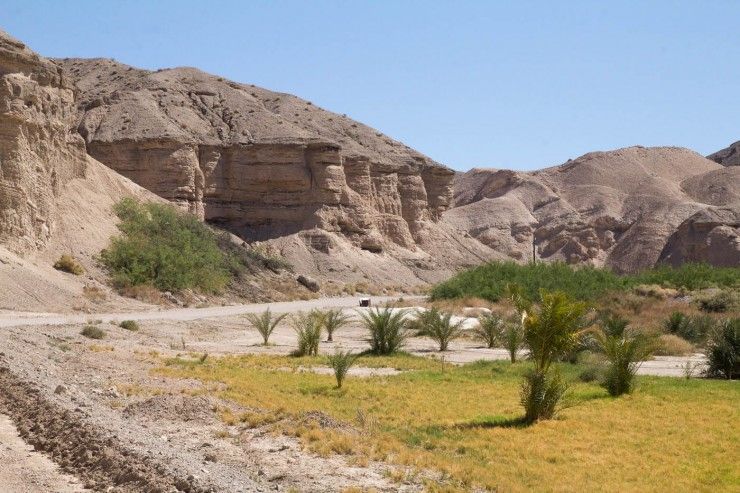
<point x="730" y="156"/>
<point x="627" y="209"/>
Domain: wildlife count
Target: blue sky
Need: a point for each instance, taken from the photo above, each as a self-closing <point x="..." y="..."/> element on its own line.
<point x="501" y="84"/>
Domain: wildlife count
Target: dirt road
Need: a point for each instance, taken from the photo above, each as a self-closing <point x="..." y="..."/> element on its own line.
<point x="17" y="319"/>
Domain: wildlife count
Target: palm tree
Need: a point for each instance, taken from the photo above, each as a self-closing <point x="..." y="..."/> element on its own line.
<point x="440" y="327"/>
<point x="624" y="349"/>
<point x="388" y="329"/>
<point x="333" y="321"/>
<point x="264" y="323"/>
<point x="549" y="332"/>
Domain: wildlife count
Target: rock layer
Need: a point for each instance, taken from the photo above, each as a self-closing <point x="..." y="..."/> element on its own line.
<point x="38" y="153"/>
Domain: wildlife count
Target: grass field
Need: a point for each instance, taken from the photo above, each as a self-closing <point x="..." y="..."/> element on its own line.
<point x="670" y="435"/>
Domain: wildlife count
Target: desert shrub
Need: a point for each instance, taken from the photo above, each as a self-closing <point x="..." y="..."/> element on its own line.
<point x="489" y="329"/>
<point x="341" y="362"/>
<point x="387" y="328"/>
<point x="549" y="332"/>
<point x="723" y="350"/>
<point x="67" y="263"/>
<point x="92" y="332"/>
<point x="440" y="328"/>
<point x="489" y="281"/>
<point x="165" y="248"/>
<point x="673" y="345"/>
<point x="718" y="303"/>
<point x="334" y="320"/>
<point x="129" y="325"/>
<point x="308" y="329"/>
<point x="264" y="323"/>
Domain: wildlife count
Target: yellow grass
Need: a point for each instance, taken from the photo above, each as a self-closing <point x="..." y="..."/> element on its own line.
<point x="671" y="435"/>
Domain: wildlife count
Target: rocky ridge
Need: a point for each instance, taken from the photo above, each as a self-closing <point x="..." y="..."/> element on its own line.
<point x="627" y="209"/>
<point x="729" y="156"/>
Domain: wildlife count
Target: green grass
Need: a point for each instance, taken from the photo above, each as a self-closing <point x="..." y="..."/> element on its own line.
<point x="670" y="435"/>
<point x="489" y="281"/>
<point x="165" y="248"/>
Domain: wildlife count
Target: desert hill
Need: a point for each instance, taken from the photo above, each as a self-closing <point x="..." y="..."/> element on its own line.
<point x="339" y="199"/>
<point x="627" y="209"/>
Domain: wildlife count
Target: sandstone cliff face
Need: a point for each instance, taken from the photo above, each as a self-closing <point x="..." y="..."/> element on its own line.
<point x="729" y="156"/>
<point x="38" y="152"/>
<point x="260" y="164"/>
<point x="627" y="209"/>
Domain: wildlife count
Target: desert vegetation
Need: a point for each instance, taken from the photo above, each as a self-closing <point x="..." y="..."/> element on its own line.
<point x="490" y="281"/>
<point x="165" y="248"/>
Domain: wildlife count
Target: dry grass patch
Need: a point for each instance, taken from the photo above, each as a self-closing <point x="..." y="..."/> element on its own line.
<point x="672" y="434"/>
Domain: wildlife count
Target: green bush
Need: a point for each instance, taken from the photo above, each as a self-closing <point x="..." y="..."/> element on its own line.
<point x="308" y="329"/>
<point x="489" y="281"/>
<point x="388" y="329"/>
<point x="92" y="332"/>
<point x="264" y="324"/>
<point x="724" y="350"/>
<point x="168" y="249"/>
<point x="129" y="325"/>
<point x="341" y="362"/>
<point x="67" y="263"/>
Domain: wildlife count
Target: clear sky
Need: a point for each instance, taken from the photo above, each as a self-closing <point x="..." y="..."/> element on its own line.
<point x="515" y="84"/>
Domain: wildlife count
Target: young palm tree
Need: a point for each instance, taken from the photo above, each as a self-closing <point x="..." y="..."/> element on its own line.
<point x="308" y="329"/>
<point x="512" y="338"/>
<point x="624" y="354"/>
<point x="549" y="332"/>
<point x="264" y="323"/>
<point x="341" y="362"/>
<point x="333" y="321"/>
<point x="440" y="327"/>
<point x="489" y="329"/>
<point x="388" y="329"/>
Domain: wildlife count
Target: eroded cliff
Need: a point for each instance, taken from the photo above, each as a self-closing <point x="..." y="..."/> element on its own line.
<point x="261" y="164"/>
